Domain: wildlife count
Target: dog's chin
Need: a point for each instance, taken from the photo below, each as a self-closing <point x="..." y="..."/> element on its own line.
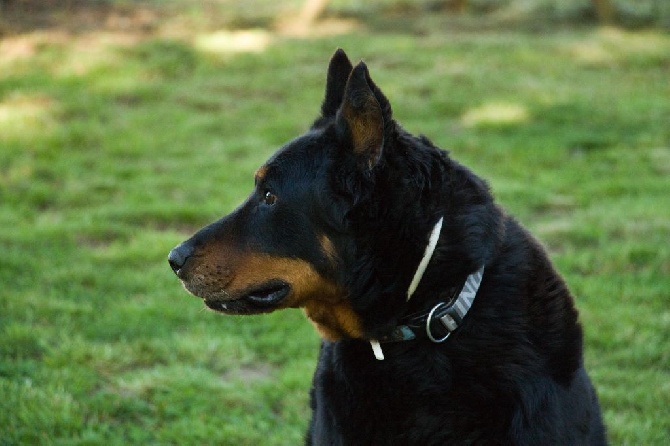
<point x="255" y="300"/>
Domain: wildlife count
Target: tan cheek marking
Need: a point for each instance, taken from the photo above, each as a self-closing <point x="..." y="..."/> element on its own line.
<point x="334" y="321"/>
<point x="256" y="269"/>
<point x="324" y="303"/>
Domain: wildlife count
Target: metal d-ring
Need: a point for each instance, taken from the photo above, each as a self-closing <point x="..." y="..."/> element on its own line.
<point x="430" y="317"/>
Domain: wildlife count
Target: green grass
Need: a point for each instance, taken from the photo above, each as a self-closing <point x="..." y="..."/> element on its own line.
<point x="114" y="150"/>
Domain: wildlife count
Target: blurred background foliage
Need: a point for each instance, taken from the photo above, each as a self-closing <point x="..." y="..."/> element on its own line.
<point x="533" y="14"/>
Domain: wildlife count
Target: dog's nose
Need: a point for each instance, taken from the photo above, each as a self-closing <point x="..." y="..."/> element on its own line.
<point x="178" y="256"/>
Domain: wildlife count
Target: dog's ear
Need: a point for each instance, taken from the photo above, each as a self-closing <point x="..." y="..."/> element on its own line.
<point x="360" y="116"/>
<point x="338" y="72"/>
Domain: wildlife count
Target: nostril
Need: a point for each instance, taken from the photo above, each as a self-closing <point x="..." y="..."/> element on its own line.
<point x="178" y="256"/>
<point x="174" y="264"/>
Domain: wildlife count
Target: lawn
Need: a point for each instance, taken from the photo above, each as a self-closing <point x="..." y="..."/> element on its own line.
<point x="117" y="142"/>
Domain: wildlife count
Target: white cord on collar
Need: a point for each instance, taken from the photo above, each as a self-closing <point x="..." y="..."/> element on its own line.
<point x="428" y="253"/>
<point x="377" y="350"/>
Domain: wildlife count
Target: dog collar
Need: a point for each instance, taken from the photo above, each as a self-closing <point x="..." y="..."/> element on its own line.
<point x="444" y="318"/>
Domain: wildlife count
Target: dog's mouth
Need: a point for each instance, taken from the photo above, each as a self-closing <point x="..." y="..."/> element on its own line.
<point x="257" y="299"/>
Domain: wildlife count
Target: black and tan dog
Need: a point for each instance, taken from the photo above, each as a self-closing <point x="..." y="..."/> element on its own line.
<point x="443" y="321"/>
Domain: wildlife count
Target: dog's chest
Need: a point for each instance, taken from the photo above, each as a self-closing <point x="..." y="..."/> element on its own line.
<point x="358" y="400"/>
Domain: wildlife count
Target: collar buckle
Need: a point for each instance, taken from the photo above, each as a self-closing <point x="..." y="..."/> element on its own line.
<point x="449" y="320"/>
<point x="429" y="331"/>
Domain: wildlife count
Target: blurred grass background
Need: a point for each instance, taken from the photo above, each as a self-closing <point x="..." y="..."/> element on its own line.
<point x="126" y="125"/>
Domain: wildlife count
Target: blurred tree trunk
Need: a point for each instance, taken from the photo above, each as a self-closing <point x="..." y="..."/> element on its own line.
<point x="604" y="11"/>
<point x="457" y="5"/>
<point x="312" y="10"/>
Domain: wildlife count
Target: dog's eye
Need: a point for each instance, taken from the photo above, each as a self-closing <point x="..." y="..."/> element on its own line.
<point x="269" y="198"/>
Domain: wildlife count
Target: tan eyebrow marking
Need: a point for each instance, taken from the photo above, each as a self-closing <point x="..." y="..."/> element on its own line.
<point x="260" y="173"/>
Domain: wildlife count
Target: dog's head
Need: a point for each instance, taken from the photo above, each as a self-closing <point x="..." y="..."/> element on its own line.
<point x="336" y="223"/>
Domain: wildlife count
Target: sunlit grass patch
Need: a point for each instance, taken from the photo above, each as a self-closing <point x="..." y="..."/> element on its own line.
<point x="26" y="116"/>
<point x="495" y="114"/>
<point x="227" y="42"/>
<point x="613" y="47"/>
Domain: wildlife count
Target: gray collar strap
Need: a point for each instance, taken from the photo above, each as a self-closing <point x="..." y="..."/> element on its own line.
<point x="444" y="318"/>
<point x="451" y="315"/>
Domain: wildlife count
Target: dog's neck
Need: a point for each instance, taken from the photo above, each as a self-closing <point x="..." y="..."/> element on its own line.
<point x="450" y="315"/>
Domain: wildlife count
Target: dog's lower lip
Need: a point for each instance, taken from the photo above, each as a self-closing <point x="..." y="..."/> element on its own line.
<point x="268" y="294"/>
<point x="260" y="299"/>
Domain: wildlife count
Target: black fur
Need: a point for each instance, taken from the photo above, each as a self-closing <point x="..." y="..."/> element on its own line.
<point x="511" y="374"/>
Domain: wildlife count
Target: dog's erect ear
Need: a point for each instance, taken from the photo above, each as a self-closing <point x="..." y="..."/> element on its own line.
<point x="338" y="72"/>
<point x="361" y="117"/>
